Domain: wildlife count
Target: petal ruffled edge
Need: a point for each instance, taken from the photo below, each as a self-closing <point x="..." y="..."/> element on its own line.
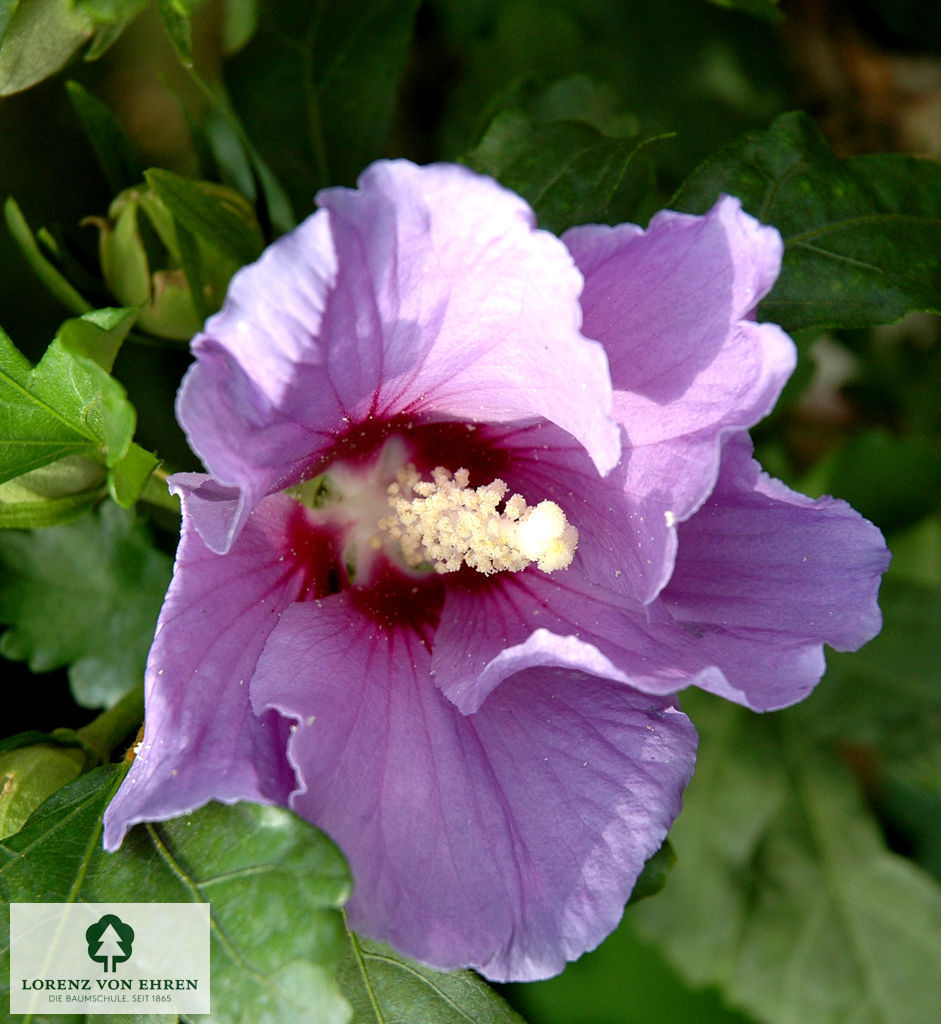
<point x="508" y="840"/>
<point x="764" y="577"/>
<point x="202" y="741"/>
<point x="672" y="306"/>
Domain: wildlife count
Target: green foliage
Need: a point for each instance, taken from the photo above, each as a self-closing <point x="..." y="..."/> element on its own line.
<point x="316" y="85"/>
<point x="69" y="407"/>
<point x="113" y="150"/>
<point x="84" y="594"/>
<point x="686" y="67"/>
<point x="42" y="266"/>
<point x="208" y="215"/>
<point x="170" y="247"/>
<point x="176" y="24"/>
<point x="860" y="234"/>
<point x="784" y="894"/>
<point x="31" y="773"/>
<point x="655" y="874"/>
<point x="884" y="701"/>
<point x="568" y="171"/>
<point x="893" y="480"/>
<point x="38" y="37"/>
<point x="383" y="986"/>
<point x="273" y="883"/>
<point x="624" y="981"/>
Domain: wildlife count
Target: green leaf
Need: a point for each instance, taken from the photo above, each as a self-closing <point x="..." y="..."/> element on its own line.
<point x="85" y="594"/>
<point x="206" y="216"/>
<point x="37" y="38"/>
<point x="784" y="894"/>
<point x="885" y="700"/>
<point x="176" y="24"/>
<point x="238" y="162"/>
<point x="30" y="774"/>
<point x="655" y="874"/>
<point x="111" y="146"/>
<point x="42" y="267"/>
<point x="239" y="20"/>
<point x="97" y="335"/>
<point x="68" y="406"/>
<point x="568" y="171"/>
<point x="129" y="476"/>
<point x="860" y="234"/>
<point x="273" y="883"/>
<point x="316" y="85"/>
<point x="385" y="987"/>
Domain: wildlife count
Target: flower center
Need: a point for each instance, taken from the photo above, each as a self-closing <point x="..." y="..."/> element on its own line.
<point x="449" y="524"/>
<point x="437" y="525"/>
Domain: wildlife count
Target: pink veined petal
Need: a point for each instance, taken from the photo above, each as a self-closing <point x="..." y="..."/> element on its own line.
<point x="484" y="631"/>
<point x="426" y="292"/>
<point x="202" y="741"/>
<point x="507" y="840"/>
<point x="672" y="308"/>
<point x="475" y="310"/>
<point x="765" y="576"/>
<point x="249" y="354"/>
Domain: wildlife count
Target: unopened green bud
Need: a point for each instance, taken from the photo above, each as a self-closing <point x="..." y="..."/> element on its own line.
<point x="142" y="264"/>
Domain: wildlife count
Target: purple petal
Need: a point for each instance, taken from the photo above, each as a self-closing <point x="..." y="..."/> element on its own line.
<point x="213" y="508"/>
<point x="624" y="544"/>
<point x="202" y="742"/>
<point x="484" y="632"/>
<point x="672" y="308"/>
<point x="462" y="309"/>
<point x="426" y="292"/>
<point x="507" y="840"/>
<point x="765" y="576"/>
<point x="249" y="356"/>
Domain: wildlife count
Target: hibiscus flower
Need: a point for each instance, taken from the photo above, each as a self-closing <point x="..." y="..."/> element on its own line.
<point x="480" y="502"/>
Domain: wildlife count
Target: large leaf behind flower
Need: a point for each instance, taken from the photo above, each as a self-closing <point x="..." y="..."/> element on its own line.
<point x="83" y="594"/>
<point x="784" y="894"/>
<point x="883" y="704"/>
<point x="273" y="883"/>
<point x="567" y="170"/>
<point x="385" y="987"/>
<point x="316" y="85"/>
<point x="861" y="234"/>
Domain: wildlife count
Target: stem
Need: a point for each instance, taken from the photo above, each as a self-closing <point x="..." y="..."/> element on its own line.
<point x="112" y="726"/>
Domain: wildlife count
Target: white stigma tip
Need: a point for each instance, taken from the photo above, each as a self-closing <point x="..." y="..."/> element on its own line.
<point x="449" y="524"/>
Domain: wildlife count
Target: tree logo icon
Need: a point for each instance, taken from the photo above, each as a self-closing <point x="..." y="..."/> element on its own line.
<point x="109" y="938"/>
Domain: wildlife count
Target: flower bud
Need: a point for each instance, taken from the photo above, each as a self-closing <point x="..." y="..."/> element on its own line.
<point x="142" y="265"/>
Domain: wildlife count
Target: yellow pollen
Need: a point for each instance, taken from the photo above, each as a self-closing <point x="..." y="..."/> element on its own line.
<point x="449" y="524"/>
